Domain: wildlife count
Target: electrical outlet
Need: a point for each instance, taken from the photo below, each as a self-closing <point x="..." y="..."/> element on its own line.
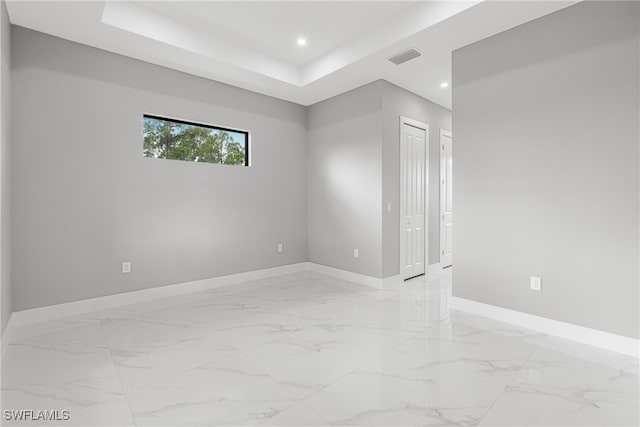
<point x="356" y="253"/>
<point x="535" y="283"/>
<point x="280" y="247"/>
<point x="126" y="267"/>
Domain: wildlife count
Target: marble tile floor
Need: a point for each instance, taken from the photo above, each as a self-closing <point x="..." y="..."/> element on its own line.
<point x="310" y="350"/>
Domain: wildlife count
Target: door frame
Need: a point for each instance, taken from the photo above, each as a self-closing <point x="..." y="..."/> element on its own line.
<point x="420" y="125"/>
<point x="449" y="134"/>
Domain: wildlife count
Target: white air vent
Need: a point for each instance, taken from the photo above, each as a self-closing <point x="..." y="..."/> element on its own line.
<point x="405" y="56"/>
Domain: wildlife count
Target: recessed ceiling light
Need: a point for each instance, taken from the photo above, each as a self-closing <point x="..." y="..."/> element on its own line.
<point x="301" y="41"/>
<point x="444" y="84"/>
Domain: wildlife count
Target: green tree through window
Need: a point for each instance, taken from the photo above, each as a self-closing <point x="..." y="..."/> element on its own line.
<point x="178" y="140"/>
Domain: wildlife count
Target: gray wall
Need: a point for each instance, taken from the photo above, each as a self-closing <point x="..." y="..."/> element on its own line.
<point x="546" y="181"/>
<point x="398" y="102"/>
<point x="85" y="199"/>
<point x="345" y="182"/>
<point x="354" y="170"/>
<point x="5" y="165"/>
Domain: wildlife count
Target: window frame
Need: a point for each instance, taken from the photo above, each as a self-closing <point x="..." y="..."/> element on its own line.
<point x="246" y="133"/>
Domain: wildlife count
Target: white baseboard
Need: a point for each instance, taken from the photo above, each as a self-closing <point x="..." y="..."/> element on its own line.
<point x="41" y="314"/>
<point x="373" y="282"/>
<point x="391" y="282"/>
<point x="597" y="338"/>
<point x="594" y="337"/>
<point x="434" y="268"/>
<point x="362" y="279"/>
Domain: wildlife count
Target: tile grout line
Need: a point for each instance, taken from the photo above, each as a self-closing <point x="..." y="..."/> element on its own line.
<point x="91" y="317"/>
<point x="353" y="371"/>
<point x="115" y="368"/>
<point x="241" y="351"/>
<point x="413" y="336"/>
<point x="535" y="349"/>
<point x="314" y="411"/>
<point x="208" y="327"/>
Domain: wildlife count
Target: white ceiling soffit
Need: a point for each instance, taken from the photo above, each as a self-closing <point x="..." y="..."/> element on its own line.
<point x="252" y="44"/>
<point x="172" y="24"/>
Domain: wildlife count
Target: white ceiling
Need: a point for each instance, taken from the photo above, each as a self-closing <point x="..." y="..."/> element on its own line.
<point x="274" y="27"/>
<point x="252" y="44"/>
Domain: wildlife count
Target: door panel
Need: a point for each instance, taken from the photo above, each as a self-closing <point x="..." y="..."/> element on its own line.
<point x="413" y="193"/>
<point x="446" y="199"/>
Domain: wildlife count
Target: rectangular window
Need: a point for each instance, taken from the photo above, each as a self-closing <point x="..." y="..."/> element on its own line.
<point x="179" y="140"/>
